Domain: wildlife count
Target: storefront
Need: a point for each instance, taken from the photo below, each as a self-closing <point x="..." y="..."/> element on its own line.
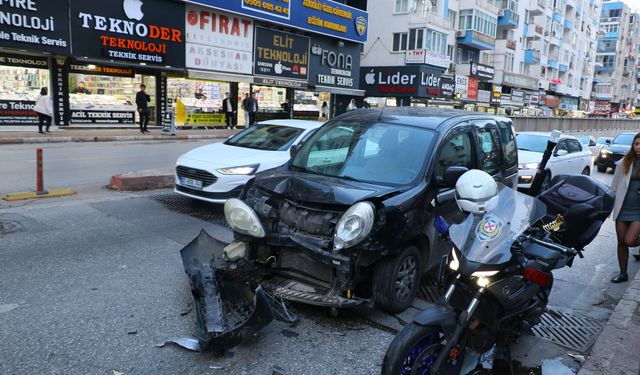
<point x="483" y="74"/>
<point x="410" y="85"/>
<point x="466" y="92"/>
<point x="41" y="28"/>
<point x="117" y="49"/>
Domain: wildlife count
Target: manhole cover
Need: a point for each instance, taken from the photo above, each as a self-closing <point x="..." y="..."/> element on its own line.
<point x="7" y="227"/>
<point x="573" y="332"/>
<point x="213" y="213"/>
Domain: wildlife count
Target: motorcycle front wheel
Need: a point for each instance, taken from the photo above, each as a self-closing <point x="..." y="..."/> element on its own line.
<point x="415" y="349"/>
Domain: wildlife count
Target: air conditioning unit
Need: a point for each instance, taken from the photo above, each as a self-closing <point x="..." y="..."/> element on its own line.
<point x="501" y="13"/>
<point x="460" y="34"/>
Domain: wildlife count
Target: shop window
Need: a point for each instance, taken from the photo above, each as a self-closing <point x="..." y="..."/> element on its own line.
<point x="21" y="85"/>
<point x="199" y="102"/>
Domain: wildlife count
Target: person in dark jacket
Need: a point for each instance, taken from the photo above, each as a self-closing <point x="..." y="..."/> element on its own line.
<point x="229" y="108"/>
<point x="251" y="106"/>
<point x="142" y="100"/>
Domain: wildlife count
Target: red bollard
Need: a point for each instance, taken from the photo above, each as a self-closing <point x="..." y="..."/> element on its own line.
<point x="39" y="178"/>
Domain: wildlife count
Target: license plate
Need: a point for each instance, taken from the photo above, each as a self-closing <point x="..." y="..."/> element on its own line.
<point x="191" y="182"/>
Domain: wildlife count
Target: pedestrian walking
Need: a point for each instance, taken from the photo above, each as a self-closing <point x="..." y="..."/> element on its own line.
<point x="244" y="105"/>
<point x="229" y="109"/>
<point x="626" y="207"/>
<point x="324" y="112"/>
<point x="142" y="100"/>
<point x="44" y="108"/>
<point x="252" y="108"/>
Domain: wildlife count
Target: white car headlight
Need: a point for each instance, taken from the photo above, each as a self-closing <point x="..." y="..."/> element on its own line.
<point x="241" y="170"/>
<point x="528" y="166"/>
<point x="354" y="225"/>
<point x="243" y="218"/>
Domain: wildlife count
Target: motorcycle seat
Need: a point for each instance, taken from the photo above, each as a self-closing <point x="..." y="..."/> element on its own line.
<point x="536" y="251"/>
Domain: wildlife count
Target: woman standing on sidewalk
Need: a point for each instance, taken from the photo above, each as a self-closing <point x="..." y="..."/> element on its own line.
<point x="44" y="107"/>
<point x="626" y="209"/>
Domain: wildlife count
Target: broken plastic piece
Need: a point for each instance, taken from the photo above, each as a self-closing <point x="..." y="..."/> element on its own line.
<point x="234" y="251"/>
<point x="191" y="343"/>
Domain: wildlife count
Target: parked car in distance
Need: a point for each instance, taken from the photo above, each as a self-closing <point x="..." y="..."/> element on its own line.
<point x="611" y="153"/>
<point x="369" y="185"/>
<point x="569" y="157"/>
<point x="219" y="171"/>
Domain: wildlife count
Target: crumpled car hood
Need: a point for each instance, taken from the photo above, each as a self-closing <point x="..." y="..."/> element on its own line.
<point x="312" y="188"/>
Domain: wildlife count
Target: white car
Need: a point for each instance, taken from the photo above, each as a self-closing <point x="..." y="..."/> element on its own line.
<point x="569" y="157"/>
<point x="219" y="171"/>
<point x="589" y="143"/>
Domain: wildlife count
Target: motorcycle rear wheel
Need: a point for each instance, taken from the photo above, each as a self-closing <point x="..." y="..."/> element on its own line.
<point x="415" y="349"/>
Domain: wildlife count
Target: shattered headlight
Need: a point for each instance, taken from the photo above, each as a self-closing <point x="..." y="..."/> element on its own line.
<point x="243" y="218"/>
<point x="354" y="225"/>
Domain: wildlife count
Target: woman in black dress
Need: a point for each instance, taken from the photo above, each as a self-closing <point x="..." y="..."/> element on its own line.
<point x="626" y="209"/>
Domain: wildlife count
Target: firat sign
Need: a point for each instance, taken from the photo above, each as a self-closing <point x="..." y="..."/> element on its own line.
<point x="219" y="23"/>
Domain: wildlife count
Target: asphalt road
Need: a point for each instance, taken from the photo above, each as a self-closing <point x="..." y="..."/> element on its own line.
<point x="91" y="283"/>
<point x="80" y="165"/>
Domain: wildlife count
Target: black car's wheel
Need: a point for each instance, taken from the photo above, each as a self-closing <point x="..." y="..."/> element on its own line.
<point x="586" y="171"/>
<point x="602" y="168"/>
<point x="396" y="279"/>
<point x="414" y="351"/>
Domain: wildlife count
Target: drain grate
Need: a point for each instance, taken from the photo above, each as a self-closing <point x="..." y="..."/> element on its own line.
<point x="573" y="332"/>
<point x="210" y="212"/>
<point x="428" y="290"/>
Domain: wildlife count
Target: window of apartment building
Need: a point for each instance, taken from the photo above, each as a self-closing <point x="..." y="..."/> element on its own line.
<point x="556" y="30"/>
<point x="565" y="57"/>
<point x="466" y="16"/>
<point x="416" y="39"/>
<point x="400" y="42"/>
<point x="435" y="41"/>
<point x="479" y="21"/>
<point x="508" y="62"/>
<point x="458" y="55"/>
<point x="402" y="6"/>
<point x="452" y="19"/>
<point x="546" y="48"/>
<point x="450" y="50"/>
<point x="521" y="67"/>
<point x="611" y="12"/>
<point x="611" y="28"/>
<point x="547" y="24"/>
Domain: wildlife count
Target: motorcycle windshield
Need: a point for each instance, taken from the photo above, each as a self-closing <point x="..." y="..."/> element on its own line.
<point x="487" y="238"/>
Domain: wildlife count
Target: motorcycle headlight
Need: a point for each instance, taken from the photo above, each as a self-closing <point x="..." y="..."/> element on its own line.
<point x="455" y="262"/>
<point x="354" y="225"/>
<point x="483" y="277"/>
<point x="242" y="218"/>
<point x="241" y="170"/>
<point x="528" y="166"/>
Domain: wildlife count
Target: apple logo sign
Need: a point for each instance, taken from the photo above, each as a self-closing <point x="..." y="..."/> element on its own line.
<point x="133" y="9"/>
<point x="370" y="78"/>
<point x="278" y="68"/>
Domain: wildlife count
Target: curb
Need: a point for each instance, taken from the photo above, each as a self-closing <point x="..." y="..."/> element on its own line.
<point x="124" y="138"/>
<point x="614" y="352"/>
<point x="142" y="180"/>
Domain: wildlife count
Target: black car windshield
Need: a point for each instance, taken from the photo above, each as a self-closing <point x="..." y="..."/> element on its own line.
<point x="532" y="142"/>
<point x="387" y="154"/>
<point x="623" y="139"/>
<point x="602" y="140"/>
<point x="266" y="137"/>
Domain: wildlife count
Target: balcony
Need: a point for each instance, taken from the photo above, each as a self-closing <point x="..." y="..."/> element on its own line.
<point x="474" y="39"/>
<point x="533" y="31"/>
<point x="568" y="25"/>
<point x="532" y="56"/>
<point x="563" y="68"/>
<point x="555" y="41"/>
<point x="609" y="19"/>
<point x="611" y="35"/>
<point x="482" y="5"/>
<point x="606" y="49"/>
<point x="608" y="66"/>
<point x="511" y="44"/>
<point x="552" y="63"/>
<point x="557" y="17"/>
<point x="430" y="19"/>
<point x="535" y="7"/>
<point x="507" y="19"/>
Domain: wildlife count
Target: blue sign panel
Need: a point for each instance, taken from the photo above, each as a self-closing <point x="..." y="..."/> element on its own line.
<point x="324" y="17"/>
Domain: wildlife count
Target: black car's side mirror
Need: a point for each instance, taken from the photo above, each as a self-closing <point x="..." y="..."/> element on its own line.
<point x="607" y="141"/>
<point x="293" y="150"/>
<point x="592" y="143"/>
<point x="452" y="174"/>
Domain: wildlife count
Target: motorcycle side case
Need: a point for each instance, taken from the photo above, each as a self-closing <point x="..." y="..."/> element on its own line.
<point x="227" y="310"/>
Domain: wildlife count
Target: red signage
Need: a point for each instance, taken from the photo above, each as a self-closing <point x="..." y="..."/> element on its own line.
<point x="472" y="89"/>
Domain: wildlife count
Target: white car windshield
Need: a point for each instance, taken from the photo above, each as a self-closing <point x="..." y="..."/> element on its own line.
<point x="266" y="137"/>
<point x="532" y="142"/>
<point x="388" y="154"/>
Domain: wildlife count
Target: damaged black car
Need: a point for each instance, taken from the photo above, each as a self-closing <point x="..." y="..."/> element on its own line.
<point x="349" y="220"/>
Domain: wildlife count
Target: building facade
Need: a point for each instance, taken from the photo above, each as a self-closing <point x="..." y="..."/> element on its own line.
<point x="506" y="56"/>
<point x="615" y="83"/>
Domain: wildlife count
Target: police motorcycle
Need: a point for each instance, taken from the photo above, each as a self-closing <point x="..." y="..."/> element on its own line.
<point x="499" y="270"/>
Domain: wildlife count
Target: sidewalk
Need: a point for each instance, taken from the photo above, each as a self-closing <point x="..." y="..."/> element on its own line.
<point x="616" y="349"/>
<point x="29" y="134"/>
